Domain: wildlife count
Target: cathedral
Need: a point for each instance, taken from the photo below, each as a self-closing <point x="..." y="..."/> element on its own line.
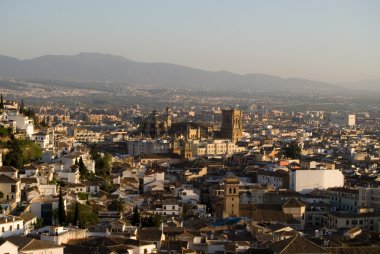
<point x="156" y="125"/>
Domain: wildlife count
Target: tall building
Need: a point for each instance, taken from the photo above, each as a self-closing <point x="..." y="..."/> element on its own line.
<point x="351" y="120"/>
<point x="232" y="124"/>
<point x="231" y="196"/>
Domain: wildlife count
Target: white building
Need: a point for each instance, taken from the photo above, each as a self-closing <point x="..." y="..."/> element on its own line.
<point x="69" y="176"/>
<point x="41" y="139"/>
<point x="23" y="123"/>
<point x="47" y="190"/>
<point x="305" y="180"/>
<point x="153" y="179"/>
<point x="11" y="226"/>
<point x="170" y="207"/>
<point x="69" y="160"/>
<point x="187" y="195"/>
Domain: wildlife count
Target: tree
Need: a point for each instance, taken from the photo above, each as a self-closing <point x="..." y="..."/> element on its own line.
<point x="136" y="216"/>
<point x="14" y="159"/>
<point x="39" y="223"/>
<point x="94" y="152"/>
<point x="291" y="151"/>
<point x="83" y="171"/>
<point x="43" y="123"/>
<point x="76" y="215"/>
<point x="85" y="215"/>
<point x="5" y="132"/>
<point x="61" y="209"/>
<point x="151" y="221"/>
<point x="117" y="205"/>
<point x="21" y="151"/>
<point x="1" y="102"/>
<point x="22" y="107"/>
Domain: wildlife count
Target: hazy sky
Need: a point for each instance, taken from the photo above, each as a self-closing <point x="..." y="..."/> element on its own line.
<point x="331" y="40"/>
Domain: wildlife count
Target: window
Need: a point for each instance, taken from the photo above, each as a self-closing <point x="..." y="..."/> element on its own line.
<point x="173" y="207"/>
<point x="18" y="226"/>
<point x="13" y="188"/>
<point x="10" y="228"/>
<point x="2" y="229"/>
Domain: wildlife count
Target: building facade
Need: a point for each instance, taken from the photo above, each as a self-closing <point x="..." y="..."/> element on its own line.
<point x="232" y="127"/>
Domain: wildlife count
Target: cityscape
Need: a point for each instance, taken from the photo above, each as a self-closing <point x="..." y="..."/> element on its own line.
<point x="107" y="155"/>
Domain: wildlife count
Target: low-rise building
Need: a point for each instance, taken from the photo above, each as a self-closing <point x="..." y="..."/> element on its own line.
<point x="368" y="221"/>
<point x="11" y="225"/>
<point x="279" y="179"/>
<point x="343" y="199"/>
<point x="11" y="188"/>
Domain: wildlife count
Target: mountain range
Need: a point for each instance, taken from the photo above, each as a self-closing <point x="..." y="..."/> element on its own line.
<point x="96" y="67"/>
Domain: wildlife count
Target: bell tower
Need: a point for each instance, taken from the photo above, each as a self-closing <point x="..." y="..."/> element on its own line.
<point x="231" y="196"/>
<point x="232" y="124"/>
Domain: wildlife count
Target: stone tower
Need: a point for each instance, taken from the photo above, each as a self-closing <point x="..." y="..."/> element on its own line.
<point x="231" y="124"/>
<point x="168" y="117"/>
<point x="231" y="196"/>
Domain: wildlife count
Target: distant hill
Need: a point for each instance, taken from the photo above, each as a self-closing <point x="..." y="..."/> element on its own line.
<point x="95" y="67"/>
<point x="371" y="85"/>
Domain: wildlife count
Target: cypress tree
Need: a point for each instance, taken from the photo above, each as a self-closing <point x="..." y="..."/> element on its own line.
<point x="61" y="209"/>
<point x="136" y="216"/>
<point x="76" y="214"/>
<point x="22" y="106"/>
<point x="82" y="168"/>
<point x="1" y="102"/>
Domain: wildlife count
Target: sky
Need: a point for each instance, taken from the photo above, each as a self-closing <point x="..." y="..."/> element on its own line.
<point x="332" y="40"/>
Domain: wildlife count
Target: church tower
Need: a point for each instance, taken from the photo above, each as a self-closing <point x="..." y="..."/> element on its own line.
<point x="232" y="124"/>
<point x="231" y="196"/>
<point x="168" y="117"/>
